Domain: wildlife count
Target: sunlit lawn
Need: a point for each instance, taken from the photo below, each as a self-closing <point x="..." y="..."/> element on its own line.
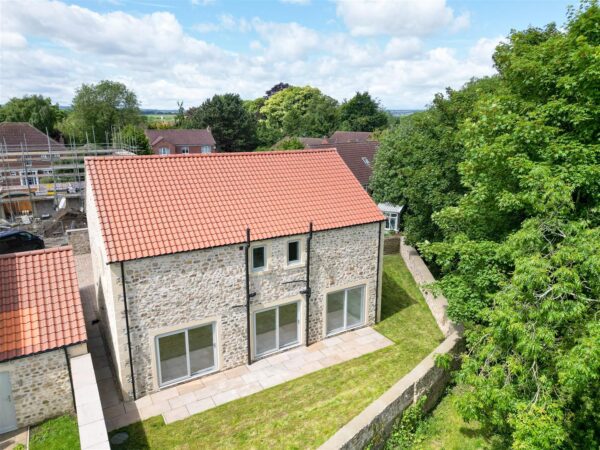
<point x="305" y="412"/>
<point x="60" y="433"/>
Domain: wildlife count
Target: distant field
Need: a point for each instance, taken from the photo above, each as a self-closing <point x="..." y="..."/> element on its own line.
<point x="153" y="118"/>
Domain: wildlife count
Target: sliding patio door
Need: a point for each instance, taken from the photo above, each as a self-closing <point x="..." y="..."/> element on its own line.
<point x="345" y="309"/>
<point x="186" y="353"/>
<point x="276" y="328"/>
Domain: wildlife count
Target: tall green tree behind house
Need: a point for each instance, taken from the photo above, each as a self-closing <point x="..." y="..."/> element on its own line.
<point x="417" y="162"/>
<point x="298" y="111"/>
<point x="99" y="110"/>
<point x="521" y="250"/>
<point x="232" y="125"/>
<point x="362" y="113"/>
<point x="37" y="110"/>
<point x="134" y="136"/>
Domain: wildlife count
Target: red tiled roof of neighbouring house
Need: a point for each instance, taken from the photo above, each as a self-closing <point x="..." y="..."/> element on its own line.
<point x="340" y="137"/>
<point x="155" y="205"/>
<point x="358" y="156"/>
<point x="181" y="136"/>
<point x="40" y="307"/>
<point x="15" y="134"/>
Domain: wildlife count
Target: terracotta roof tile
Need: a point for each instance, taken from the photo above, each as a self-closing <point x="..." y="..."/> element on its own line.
<point x="155" y="205"/>
<point x="40" y="308"/>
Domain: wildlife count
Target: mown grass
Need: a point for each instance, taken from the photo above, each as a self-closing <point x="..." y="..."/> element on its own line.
<point x="305" y="412"/>
<point x="60" y="433"/>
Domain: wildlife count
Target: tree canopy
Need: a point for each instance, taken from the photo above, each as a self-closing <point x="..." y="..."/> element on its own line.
<point x="34" y="109"/>
<point x="362" y="113"/>
<point x="232" y="125"/>
<point x="99" y="110"/>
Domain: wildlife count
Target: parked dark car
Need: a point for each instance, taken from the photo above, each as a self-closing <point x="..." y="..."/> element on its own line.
<point x="14" y="241"/>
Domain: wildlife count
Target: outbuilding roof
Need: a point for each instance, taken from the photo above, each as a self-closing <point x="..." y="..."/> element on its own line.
<point x="181" y="136"/>
<point x="156" y="205"/>
<point x="358" y="156"/>
<point x="40" y="307"/>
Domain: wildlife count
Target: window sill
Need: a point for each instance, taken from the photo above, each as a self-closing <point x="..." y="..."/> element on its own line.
<point x="187" y="380"/>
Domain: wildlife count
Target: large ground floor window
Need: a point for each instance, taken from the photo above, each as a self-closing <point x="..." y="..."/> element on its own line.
<point x="276" y="328"/>
<point x="186" y="353"/>
<point x="345" y="309"/>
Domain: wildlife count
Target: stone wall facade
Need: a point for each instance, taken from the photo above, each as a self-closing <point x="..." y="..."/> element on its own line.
<point x="79" y="240"/>
<point x="41" y="388"/>
<point x="175" y="291"/>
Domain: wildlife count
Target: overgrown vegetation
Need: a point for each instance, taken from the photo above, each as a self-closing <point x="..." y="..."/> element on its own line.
<point x="519" y="246"/>
<point x="60" y="433"/>
<point x="305" y="412"/>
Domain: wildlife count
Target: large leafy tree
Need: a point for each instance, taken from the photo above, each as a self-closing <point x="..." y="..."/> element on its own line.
<point x="134" y="136"/>
<point x="34" y="109"/>
<point x="232" y="125"/>
<point x="362" y="113"/>
<point x="417" y="162"/>
<point x="521" y="248"/>
<point x="100" y="110"/>
<point x="298" y="111"/>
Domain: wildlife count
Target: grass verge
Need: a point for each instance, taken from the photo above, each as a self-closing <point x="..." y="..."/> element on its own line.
<point x="60" y="433"/>
<point x="305" y="412"/>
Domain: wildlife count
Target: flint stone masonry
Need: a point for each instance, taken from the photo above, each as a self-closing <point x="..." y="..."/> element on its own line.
<point x="40" y="386"/>
<point x="79" y="240"/>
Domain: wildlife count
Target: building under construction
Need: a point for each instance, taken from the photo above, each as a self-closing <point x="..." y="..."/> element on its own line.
<point x="39" y="175"/>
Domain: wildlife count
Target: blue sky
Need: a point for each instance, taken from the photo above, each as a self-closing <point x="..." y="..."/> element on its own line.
<point x="402" y="51"/>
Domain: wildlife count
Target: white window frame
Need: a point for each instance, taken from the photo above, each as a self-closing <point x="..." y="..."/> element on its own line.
<point x="189" y="376"/>
<point x="300" y="259"/>
<point x="29" y="173"/>
<point x="278" y="348"/>
<point x="391" y="216"/>
<point x="185" y="150"/>
<point x="204" y="149"/>
<point x="266" y="252"/>
<point x="164" y="151"/>
<point x="362" y="309"/>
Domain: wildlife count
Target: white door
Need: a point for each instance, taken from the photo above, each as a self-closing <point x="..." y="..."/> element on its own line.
<point x="8" y="419"/>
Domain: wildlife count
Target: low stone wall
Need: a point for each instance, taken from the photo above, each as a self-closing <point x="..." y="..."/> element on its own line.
<point x="391" y="245"/>
<point x="374" y="424"/>
<point x="79" y="240"/>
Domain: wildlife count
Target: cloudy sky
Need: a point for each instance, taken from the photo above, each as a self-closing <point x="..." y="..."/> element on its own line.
<point x="402" y="51"/>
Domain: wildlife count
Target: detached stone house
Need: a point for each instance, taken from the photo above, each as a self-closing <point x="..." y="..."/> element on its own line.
<point x="181" y="141"/>
<point x="41" y="329"/>
<point x="207" y="262"/>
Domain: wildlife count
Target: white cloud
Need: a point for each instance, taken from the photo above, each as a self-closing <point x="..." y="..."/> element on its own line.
<point x="403" y="48"/>
<point x="398" y="17"/>
<point x="484" y="48"/>
<point x="286" y="40"/>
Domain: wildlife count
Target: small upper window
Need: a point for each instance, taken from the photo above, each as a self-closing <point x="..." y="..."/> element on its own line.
<point x="259" y="258"/>
<point x="293" y="252"/>
<point x="185" y="150"/>
<point x="206" y="149"/>
<point x="366" y="161"/>
<point x="164" y="151"/>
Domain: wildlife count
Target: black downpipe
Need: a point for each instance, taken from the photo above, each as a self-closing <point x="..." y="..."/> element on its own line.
<point x="70" y="378"/>
<point x="247" y="251"/>
<point x="307" y="293"/>
<point x="127" y="325"/>
<point x="378" y="268"/>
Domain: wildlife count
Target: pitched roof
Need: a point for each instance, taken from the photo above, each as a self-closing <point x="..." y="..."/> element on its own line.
<point x="353" y="153"/>
<point x="181" y="136"/>
<point x="308" y="141"/>
<point x="13" y="134"/>
<point x="155" y="205"/>
<point x="349" y="136"/>
<point x="40" y="308"/>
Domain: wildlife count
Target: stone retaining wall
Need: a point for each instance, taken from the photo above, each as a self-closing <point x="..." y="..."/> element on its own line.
<point x="391" y="245"/>
<point x="79" y="240"/>
<point x="374" y="424"/>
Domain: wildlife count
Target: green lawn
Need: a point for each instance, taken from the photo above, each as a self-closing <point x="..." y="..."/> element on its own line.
<point x="305" y="412"/>
<point x="60" y="433"/>
<point x="445" y="429"/>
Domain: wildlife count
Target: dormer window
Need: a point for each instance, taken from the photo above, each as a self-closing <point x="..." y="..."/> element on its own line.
<point x="185" y="150"/>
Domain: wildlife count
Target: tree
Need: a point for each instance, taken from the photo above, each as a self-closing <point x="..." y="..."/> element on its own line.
<point x="180" y="117"/>
<point x="275" y="89"/>
<point x="34" y="109"/>
<point x="233" y="127"/>
<point x="299" y="111"/>
<point x="521" y="251"/>
<point x="135" y="136"/>
<point x="362" y="113"/>
<point x="101" y="109"/>
<point x="417" y="162"/>
<point x="291" y="143"/>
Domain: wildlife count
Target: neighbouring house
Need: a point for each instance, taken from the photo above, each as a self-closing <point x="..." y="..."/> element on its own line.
<point x="41" y="329"/>
<point x="392" y="216"/>
<point x="358" y="156"/>
<point x="181" y="141"/>
<point x="207" y="262"/>
<point x="341" y="137"/>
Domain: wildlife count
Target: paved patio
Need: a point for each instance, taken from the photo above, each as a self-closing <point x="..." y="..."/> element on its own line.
<point x="204" y="393"/>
